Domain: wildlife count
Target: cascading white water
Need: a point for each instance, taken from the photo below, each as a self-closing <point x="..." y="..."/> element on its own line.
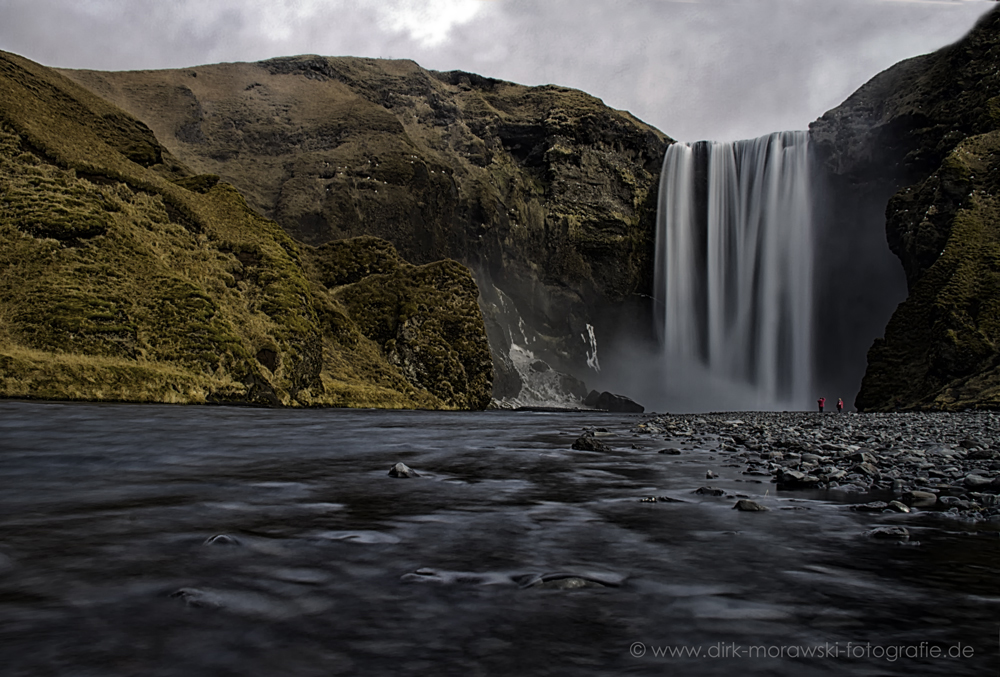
<point x="734" y="265"/>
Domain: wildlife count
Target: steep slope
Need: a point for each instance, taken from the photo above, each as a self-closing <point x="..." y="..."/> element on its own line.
<point x="547" y="194"/>
<point x="125" y="277"/>
<point x="930" y="124"/>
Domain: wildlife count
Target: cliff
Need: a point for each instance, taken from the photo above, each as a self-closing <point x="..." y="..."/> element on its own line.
<point x="125" y="276"/>
<point x="545" y="193"/>
<point x="927" y="131"/>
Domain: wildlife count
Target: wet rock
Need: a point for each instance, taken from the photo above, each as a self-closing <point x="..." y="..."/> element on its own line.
<point x="865" y="469"/>
<point x="202" y="599"/>
<point x="919" y="499"/>
<point x="402" y="470"/>
<point x="794" y="479"/>
<point x="983" y="454"/>
<point x="873" y="506"/>
<point x="709" y="491"/>
<point x="590" y="443"/>
<point x="222" y="539"/>
<point x="953" y="502"/>
<point x="671" y="451"/>
<point x="567" y="581"/>
<point x="861" y="457"/>
<point x="896" y="506"/>
<point x="746" y="505"/>
<point x="976" y="482"/>
<point x="617" y="403"/>
<point x="889" y="533"/>
<point x="711" y="475"/>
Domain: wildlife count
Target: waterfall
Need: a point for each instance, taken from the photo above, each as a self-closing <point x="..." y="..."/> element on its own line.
<point x="734" y="266"/>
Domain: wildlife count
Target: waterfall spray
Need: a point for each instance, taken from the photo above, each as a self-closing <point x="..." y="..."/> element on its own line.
<point x="734" y="264"/>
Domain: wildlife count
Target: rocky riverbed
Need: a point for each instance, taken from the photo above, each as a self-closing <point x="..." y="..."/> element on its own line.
<point x="948" y="463"/>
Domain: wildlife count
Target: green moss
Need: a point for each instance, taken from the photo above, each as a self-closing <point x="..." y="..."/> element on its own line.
<point x="116" y="284"/>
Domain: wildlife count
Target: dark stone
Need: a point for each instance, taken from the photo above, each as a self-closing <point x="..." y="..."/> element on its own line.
<point x="874" y="506"/>
<point x="919" y="499"/>
<point x="709" y="491"/>
<point x="794" y="479"/>
<point x="590" y="443"/>
<point x="618" y="404"/>
<point x="222" y="539"/>
<point x="670" y="451"/>
<point x="746" y="505"/>
<point x="540" y="366"/>
<point x="403" y="471"/>
<point x="889" y="533"/>
<point x="572" y="385"/>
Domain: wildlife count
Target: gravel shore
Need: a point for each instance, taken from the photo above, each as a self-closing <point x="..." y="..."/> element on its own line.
<point x="948" y="463"/>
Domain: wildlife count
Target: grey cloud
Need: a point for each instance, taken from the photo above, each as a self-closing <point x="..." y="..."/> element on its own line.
<point x="710" y="69"/>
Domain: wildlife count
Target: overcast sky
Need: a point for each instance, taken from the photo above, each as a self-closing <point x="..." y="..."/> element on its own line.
<point x="696" y="69"/>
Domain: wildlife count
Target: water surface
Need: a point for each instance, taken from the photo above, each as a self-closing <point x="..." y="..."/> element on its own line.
<point x="511" y="554"/>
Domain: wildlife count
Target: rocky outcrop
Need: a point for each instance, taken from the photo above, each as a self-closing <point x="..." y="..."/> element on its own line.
<point x="124" y="276"/>
<point x="547" y="194"/>
<point x="926" y="130"/>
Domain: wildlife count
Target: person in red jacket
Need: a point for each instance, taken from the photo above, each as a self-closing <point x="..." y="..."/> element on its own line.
<point x="840" y="405"/>
<point x="821" y="402"/>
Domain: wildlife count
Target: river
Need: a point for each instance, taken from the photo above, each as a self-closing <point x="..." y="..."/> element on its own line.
<point x="173" y="540"/>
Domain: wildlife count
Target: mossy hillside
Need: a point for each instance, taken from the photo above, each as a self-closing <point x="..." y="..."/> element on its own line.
<point x="424" y="319"/>
<point x="940" y="349"/>
<point x="148" y="284"/>
<point x="545" y="191"/>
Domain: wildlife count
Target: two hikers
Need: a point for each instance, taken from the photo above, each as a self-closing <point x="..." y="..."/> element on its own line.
<point x="822" y="402"/>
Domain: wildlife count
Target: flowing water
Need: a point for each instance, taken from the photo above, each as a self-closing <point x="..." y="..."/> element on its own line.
<point x="734" y="267"/>
<point x="161" y="540"/>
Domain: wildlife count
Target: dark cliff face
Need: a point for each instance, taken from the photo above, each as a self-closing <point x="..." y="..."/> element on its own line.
<point x="547" y="194"/>
<point x="921" y="139"/>
<point x="125" y="277"/>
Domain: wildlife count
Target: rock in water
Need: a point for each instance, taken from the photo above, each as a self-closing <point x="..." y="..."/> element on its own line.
<point x="889" y="533"/>
<point x="746" y="505"/>
<point x="590" y="443"/>
<point x="222" y="539"/>
<point x="874" y="506"/>
<point x="709" y="491"/>
<point x="402" y="470"/>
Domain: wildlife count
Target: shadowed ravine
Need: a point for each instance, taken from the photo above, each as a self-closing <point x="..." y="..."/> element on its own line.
<point x="511" y="554"/>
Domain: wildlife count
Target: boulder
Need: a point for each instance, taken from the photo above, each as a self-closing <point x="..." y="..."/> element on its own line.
<point x="617" y="403"/>
<point x="403" y="471"/>
<point x="590" y="443"/>
<point x="746" y="505"/>
<point x="919" y="499"/>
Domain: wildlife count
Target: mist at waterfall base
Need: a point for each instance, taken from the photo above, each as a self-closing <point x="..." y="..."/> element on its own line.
<point x="763" y="298"/>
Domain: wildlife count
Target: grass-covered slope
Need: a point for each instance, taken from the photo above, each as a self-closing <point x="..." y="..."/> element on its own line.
<point x="545" y="191"/>
<point x="942" y="346"/>
<point x="125" y="277"/>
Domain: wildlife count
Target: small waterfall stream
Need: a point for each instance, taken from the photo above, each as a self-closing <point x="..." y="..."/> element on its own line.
<point x="734" y="265"/>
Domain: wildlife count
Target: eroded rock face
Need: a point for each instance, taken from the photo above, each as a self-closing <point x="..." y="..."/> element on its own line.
<point x="926" y="130"/>
<point x="546" y="193"/>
